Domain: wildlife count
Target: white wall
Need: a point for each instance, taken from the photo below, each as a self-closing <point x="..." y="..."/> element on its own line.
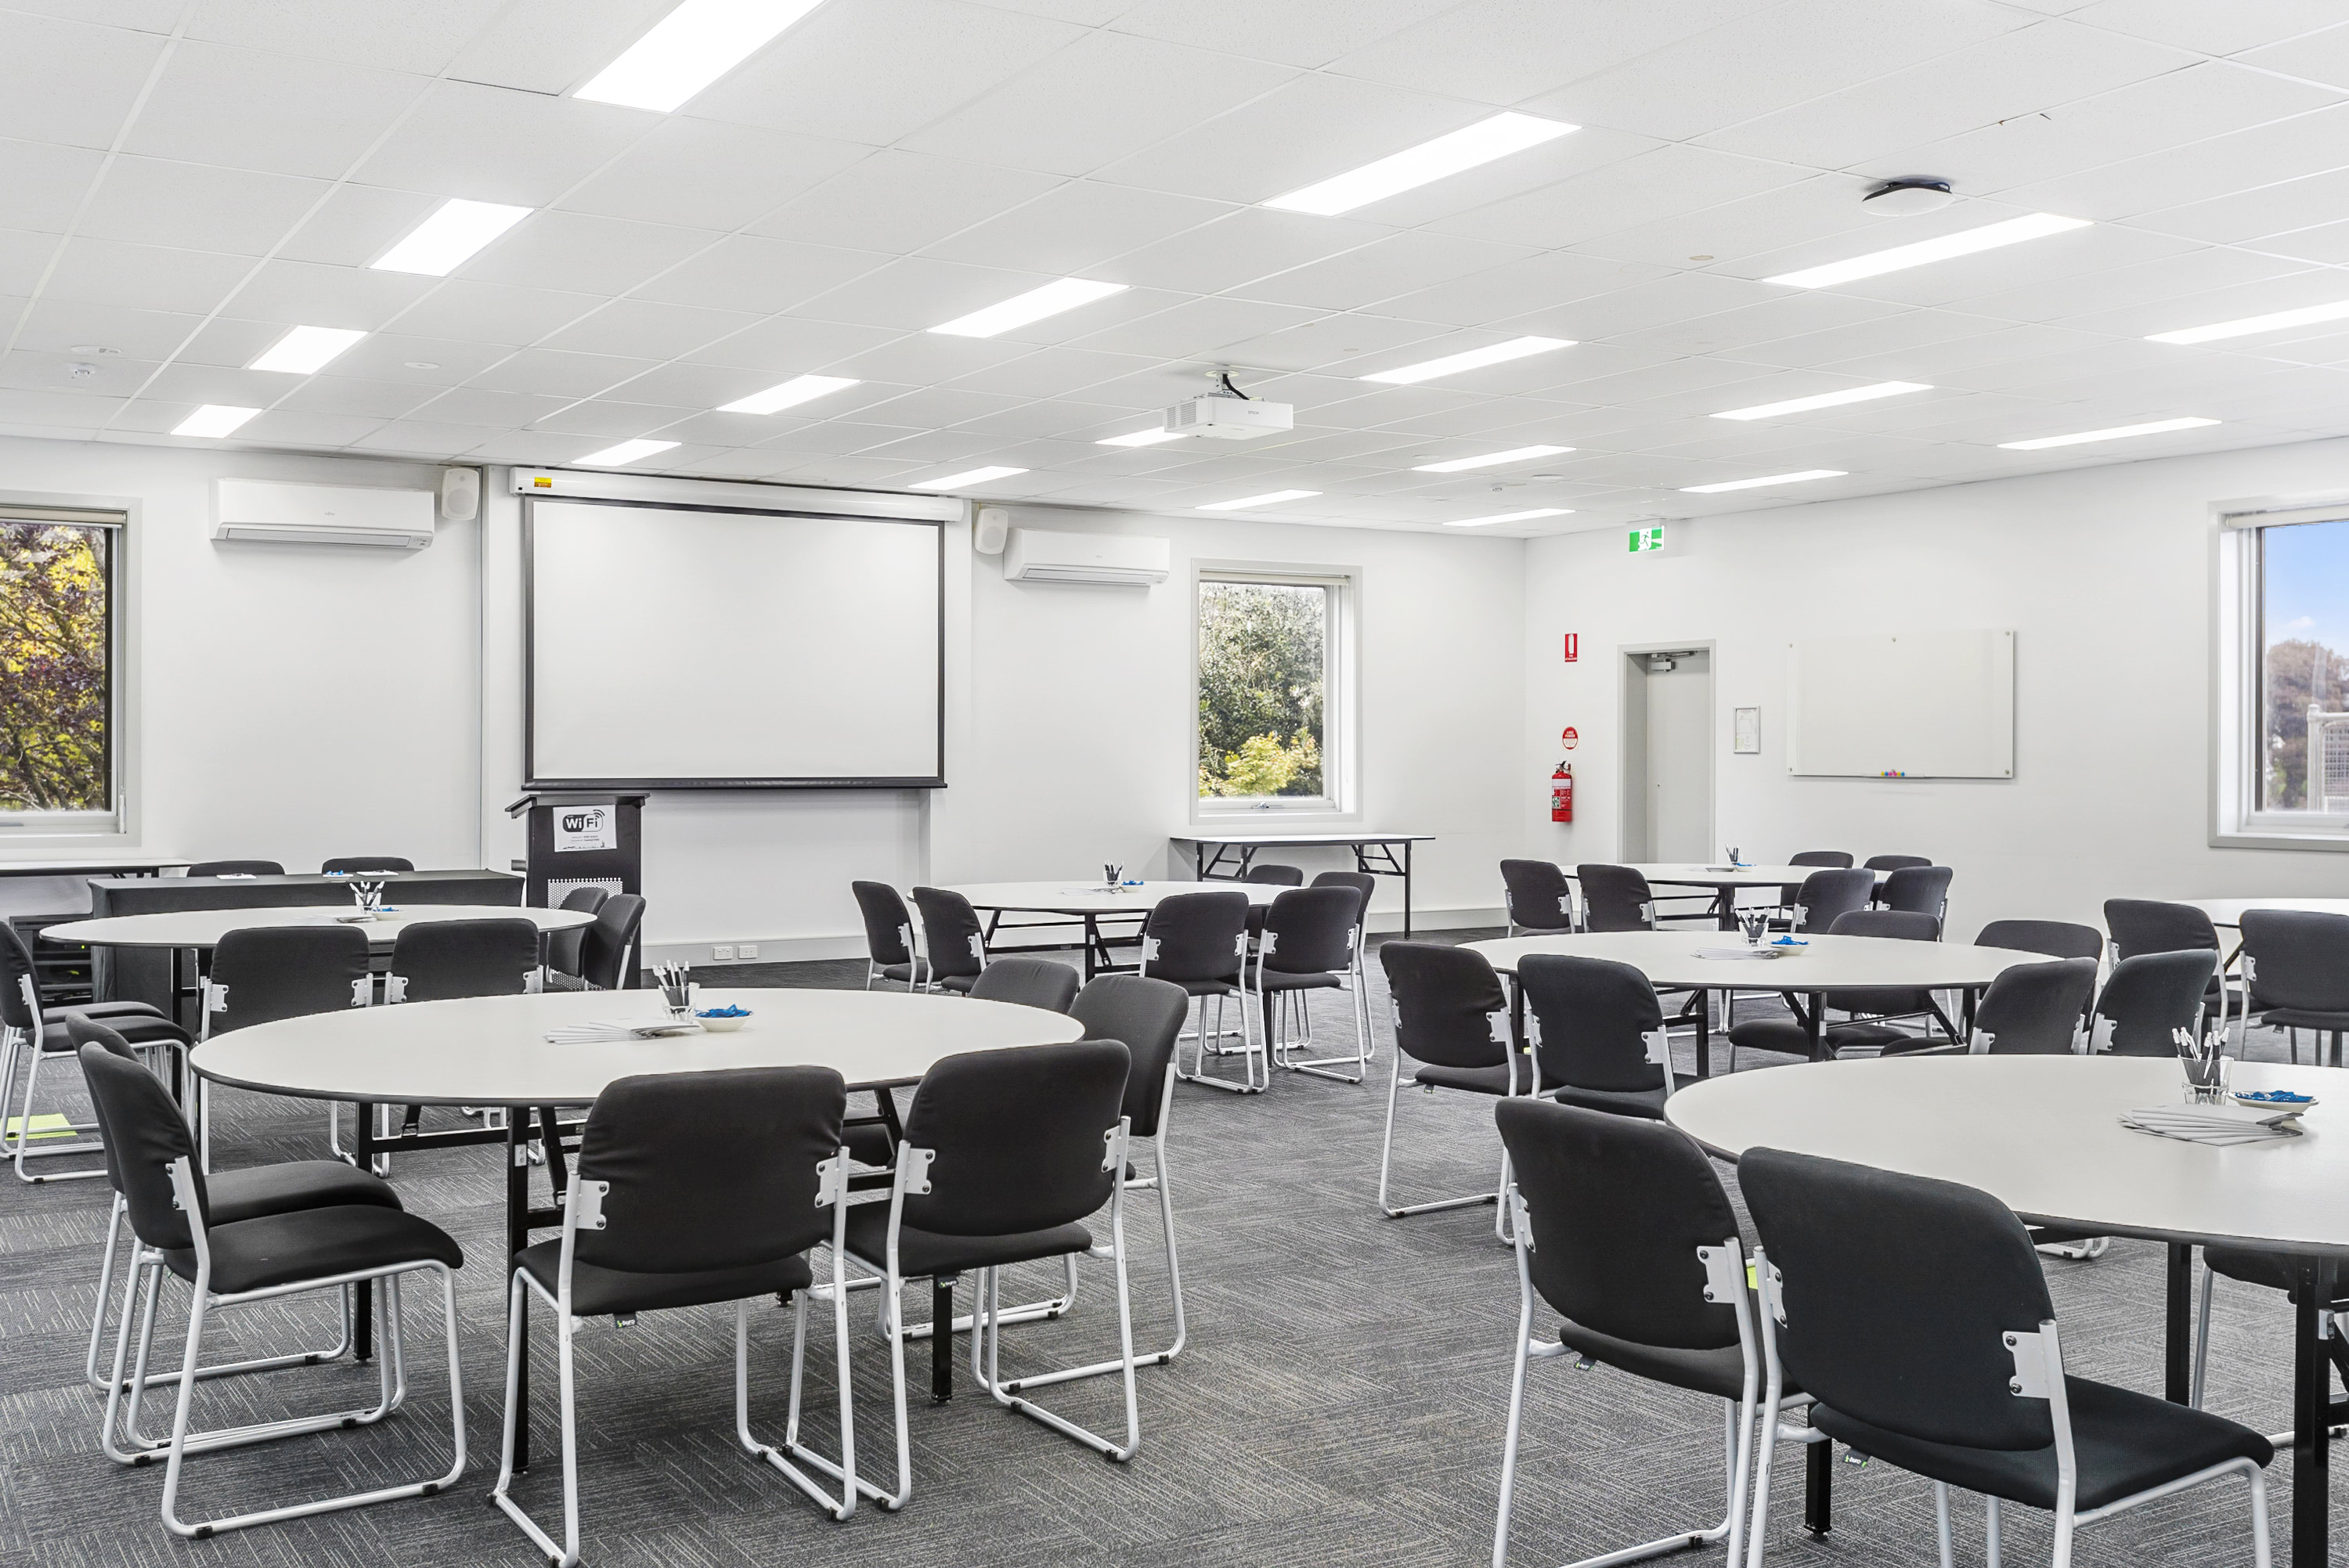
<point x="284" y="702"/>
<point x="2106" y="575"/>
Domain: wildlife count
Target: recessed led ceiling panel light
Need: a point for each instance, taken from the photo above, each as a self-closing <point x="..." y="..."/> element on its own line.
<point x="2113" y="434"/>
<point x="2304" y="317"/>
<point x="689" y="49"/>
<point x="1511" y="517"/>
<point x="306" y="349"/>
<point x="625" y="452"/>
<point x="1413" y="167"/>
<point x="1067" y="293"/>
<point x="1765" y="479"/>
<point x="1824" y="400"/>
<point x="1270" y="498"/>
<point x="1474" y="360"/>
<point x="1140" y="438"/>
<point x="786" y="394"/>
<point x="448" y="238"/>
<point x="968" y="476"/>
<point x="1990" y="237"/>
<point x="213" y="420"/>
<point x="1490" y="460"/>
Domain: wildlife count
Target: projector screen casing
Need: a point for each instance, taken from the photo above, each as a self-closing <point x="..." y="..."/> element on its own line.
<point x="697" y="654"/>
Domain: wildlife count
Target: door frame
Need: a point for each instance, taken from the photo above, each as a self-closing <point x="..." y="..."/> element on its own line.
<point x="1630" y="719"/>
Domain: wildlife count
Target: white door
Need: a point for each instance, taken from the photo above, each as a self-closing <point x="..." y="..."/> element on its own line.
<point x="1679" y="761"/>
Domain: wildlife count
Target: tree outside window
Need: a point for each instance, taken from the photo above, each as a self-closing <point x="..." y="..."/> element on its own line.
<point x="2303" y="592"/>
<point x="56" y="672"/>
<point x="1264" y="663"/>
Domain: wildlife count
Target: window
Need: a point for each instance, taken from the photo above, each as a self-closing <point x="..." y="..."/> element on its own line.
<point x="2284" y="689"/>
<point x="58" y="658"/>
<point x="1269" y="685"/>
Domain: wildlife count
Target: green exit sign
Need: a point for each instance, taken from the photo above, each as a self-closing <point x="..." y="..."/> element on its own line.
<point x="1645" y="539"/>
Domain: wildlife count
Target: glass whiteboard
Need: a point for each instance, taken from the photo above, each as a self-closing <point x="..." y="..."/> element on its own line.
<point x="1910" y="704"/>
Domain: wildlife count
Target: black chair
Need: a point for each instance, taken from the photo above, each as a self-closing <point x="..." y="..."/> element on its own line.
<point x="954" y="945"/>
<point x="2296" y="967"/>
<point x="1366" y="885"/>
<point x="1199" y="941"/>
<point x="236" y="869"/>
<point x="1030" y="982"/>
<point x="2055" y="938"/>
<point x="1833" y="859"/>
<point x="235" y="1262"/>
<point x="1006" y="1154"/>
<point x="2148" y="998"/>
<point x="1914" y="1314"/>
<point x="264" y="973"/>
<point x="442" y="960"/>
<point x="1615" y="898"/>
<point x="1918" y="890"/>
<point x="1536" y="895"/>
<point x="566" y="950"/>
<point x="1598" y="1031"/>
<point x="1825" y="896"/>
<point x="2147" y="926"/>
<point x="1275" y="876"/>
<point x="234" y="1195"/>
<point x="1623" y="1230"/>
<point x="1866" y="1008"/>
<point x="31" y="1032"/>
<point x="2032" y="1010"/>
<point x="1310" y="939"/>
<point x="1452" y="1016"/>
<point x="696" y="1190"/>
<point x="1894" y="862"/>
<point x="359" y="865"/>
<point x="608" y="956"/>
<point x="890" y="952"/>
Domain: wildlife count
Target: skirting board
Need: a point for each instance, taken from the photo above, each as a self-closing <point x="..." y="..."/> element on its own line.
<point x="808" y="949"/>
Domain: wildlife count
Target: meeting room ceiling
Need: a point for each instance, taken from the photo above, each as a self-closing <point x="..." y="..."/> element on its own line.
<point x="182" y="183"/>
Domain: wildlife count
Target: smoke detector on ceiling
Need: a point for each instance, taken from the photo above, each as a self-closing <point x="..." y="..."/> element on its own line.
<point x="1907" y="198"/>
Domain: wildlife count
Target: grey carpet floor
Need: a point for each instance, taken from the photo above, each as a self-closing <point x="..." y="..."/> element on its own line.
<point x="1340" y="1403"/>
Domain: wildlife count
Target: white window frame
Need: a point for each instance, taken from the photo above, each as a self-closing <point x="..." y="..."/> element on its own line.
<point x="2237" y="750"/>
<point x="1340" y="703"/>
<point x="21" y="829"/>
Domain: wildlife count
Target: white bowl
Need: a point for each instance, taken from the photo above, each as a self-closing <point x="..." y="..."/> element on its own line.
<point x="721" y="1025"/>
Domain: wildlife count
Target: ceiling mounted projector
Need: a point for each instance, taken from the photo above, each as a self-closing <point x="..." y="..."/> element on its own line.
<point x="1228" y="413"/>
<point x="1907" y="198"/>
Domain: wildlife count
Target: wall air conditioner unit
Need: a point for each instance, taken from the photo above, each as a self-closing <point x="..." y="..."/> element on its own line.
<point x="267" y="512"/>
<point x="1036" y="556"/>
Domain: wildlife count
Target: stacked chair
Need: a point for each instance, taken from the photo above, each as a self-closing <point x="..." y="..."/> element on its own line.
<point x="31" y="1034"/>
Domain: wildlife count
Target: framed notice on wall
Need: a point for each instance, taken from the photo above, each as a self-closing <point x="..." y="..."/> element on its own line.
<point x="1746" y="737"/>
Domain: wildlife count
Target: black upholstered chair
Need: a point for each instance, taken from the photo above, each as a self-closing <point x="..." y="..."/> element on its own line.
<point x="1825" y="896"/>
<point x="1199" y="941"/>
<point x="696" y="1190"/>
<point x="1537" y="896"/>
<point x="1833" y="859"/>
<point x="2148" y="998"/>
<point x="236" y="869"/>
<point x="1622" y="1229"/>
<point x="31" y="1033"/>
<point x="609" y="955"/>
<point x="1309" y="941"/>
<point x="1867" y="1009"/>
<point x="1960" y="1380"/>
<point x="2055" y="938"/>
<point x="442" y="960"/>
<point x="1598" y="1031"/>
<point x="2296" y="967"/>
<point x="954" y="943"/>
<point x="889" y="948"/>
<point x="1007" y="1153"/>
<point x="566" y="950"/>
<point x="264" y="973"/>
<point x="2147" y="926"/>
<point x="359" y="865"/>
<point x="1365" y="885"/>
<point x="237" y="1262"/>
<point x="1917" y="890"/>
<point x="1276" y="875"/>
<point x="1615" y="898"/>
<point x="1451" y="1017"/>
<point x="234" y="1195"/>
<point x="1893" y="863"/>
<point x="2029" y="1010"/>
<point x="1030" y="982"/>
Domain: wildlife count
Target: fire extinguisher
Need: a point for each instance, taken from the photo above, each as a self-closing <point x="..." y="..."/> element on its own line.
<point x="1561" y="793"/>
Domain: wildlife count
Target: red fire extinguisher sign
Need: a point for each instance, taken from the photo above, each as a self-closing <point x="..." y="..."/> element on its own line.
<point x="1573" y="646"/>
<point x="1561" y="793"/>
<point x="1569" y="737"/>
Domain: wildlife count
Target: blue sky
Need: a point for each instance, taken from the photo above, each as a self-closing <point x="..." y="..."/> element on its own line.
<point x="2308" y="583"/>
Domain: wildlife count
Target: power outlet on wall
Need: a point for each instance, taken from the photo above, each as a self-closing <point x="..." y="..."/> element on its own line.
<point x="722" y="955"/>
<point x="747" y="949"/>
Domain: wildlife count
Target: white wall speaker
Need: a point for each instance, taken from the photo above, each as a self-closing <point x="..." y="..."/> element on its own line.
<point x="460" y="494"/>
<point x="994" y="527"/>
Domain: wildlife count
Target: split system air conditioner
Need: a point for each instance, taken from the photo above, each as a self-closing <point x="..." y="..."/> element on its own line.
<point x="269" y="512"/>
<point x="1035" y="556"/>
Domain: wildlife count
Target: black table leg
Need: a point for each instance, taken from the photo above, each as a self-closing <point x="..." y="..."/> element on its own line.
<point x="1704" y="1035"/>
<point x="1092" y="943"/>
<point x="1724" y="908"/>
<point x="1818" y="1486"/>
<point x="1406" y="890"/>
<point x="363" y="1294"/>
<point x="2312" y="1401"/>
<point x="1813" y="1017"/>
<point x="942" y="1335"/>
<point x="517" y="1238"/>
<point x="2177" y="1340"/>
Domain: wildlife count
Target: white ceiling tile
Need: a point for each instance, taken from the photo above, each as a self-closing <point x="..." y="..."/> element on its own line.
<point x="914" y="294"/>
<point x="419" y="35"/>
<point x="574" y="251"/>
<point x="1249" y="244"/>
<point x="1971" y="358"/>
<point x="1300" y="33"/>
<point x="2291" y="291"/>
<point x="684" y="385"/>
<point x="608" y="419"/>
<point x="351" y="397"/>
<point x="425" y="362"/>
<point x="1667" y="182"/>
<point x="231" y="341"/>
<point x="140" y="16"/>
<point x="2220" y="29"/>
<point x="307" y="295"/>
<point x="2305" y="144"/>
<point x="196" y="207"/>
<point x="1341" y="341"/>
<point x="144" y="277"/>
<point x="244" y="108"/>
<point x="60" y="410"/>
<point x="924" y="359"/>
<point x="1104" y="97"/>
<point x="877" y="70"/>
<point x="355" y="225"/>
<point x="1042" y="417"/>
<point x="2248" y="216"/>
<point x="70" y="83"/>
<point x="934" y="408"/>
<point x="1054" y="372"/>
<point x="836" y="438"/>
<point x="187" y="383"/>
<point x="935" y="446"/>
<point x="24" y="258"/>
<point x="42" y="183"/>
<point x="2327" y="243"/>
<point x="550" y="45"/>
<point x="1196" y="327"/>
<point x="791" y="345"/>
<point x="705" y="175"/>
<point x="2318" y="56"/>
<point x="1677" y="298"/>
<point x="544" y="145"/>
<point x="472" y="311"/>
<point x="2166" y="277"/>
<point x="1517" y="287"/>
<point x="1504" y="51"/>
<point x="560" y="375"/>
<point x="747" y="273"/>
<point x="54" y="325"/>
<point x="35" y="370"/>
<point x="288" y="428"/>
<point x="1378" y="272"/>
<point x="646" y="329"/>
<point x="1078" y="226"/>
<point x="1741" y="331"/>
<point x="902" y="202"/>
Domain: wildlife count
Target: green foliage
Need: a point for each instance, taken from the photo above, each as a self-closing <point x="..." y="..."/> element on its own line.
<point x="53" y="674"/>
<point x="2298" y="672"/>
<point x="1262" y="665"/>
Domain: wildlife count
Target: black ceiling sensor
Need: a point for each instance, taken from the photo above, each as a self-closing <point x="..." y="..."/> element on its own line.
<point x="1907" y="198"/>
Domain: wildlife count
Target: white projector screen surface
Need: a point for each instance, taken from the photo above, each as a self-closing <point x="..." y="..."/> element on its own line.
<point x="686" y="648"/>
<point x="1919" y="705"/>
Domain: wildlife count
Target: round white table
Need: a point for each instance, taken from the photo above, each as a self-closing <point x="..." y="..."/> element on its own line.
<point x="2228" y="911"/>
<point x="203" y="928"/>
<point x="2042" y="1135"/>
<point x="1674" y="961"/>
<point x="1074" y="901"/>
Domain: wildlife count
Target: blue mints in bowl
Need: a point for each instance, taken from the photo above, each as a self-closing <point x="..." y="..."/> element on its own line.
<point x="727" y="1012"/>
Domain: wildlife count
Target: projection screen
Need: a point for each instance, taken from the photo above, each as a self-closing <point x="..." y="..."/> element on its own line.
<point x="678" y="648"/>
